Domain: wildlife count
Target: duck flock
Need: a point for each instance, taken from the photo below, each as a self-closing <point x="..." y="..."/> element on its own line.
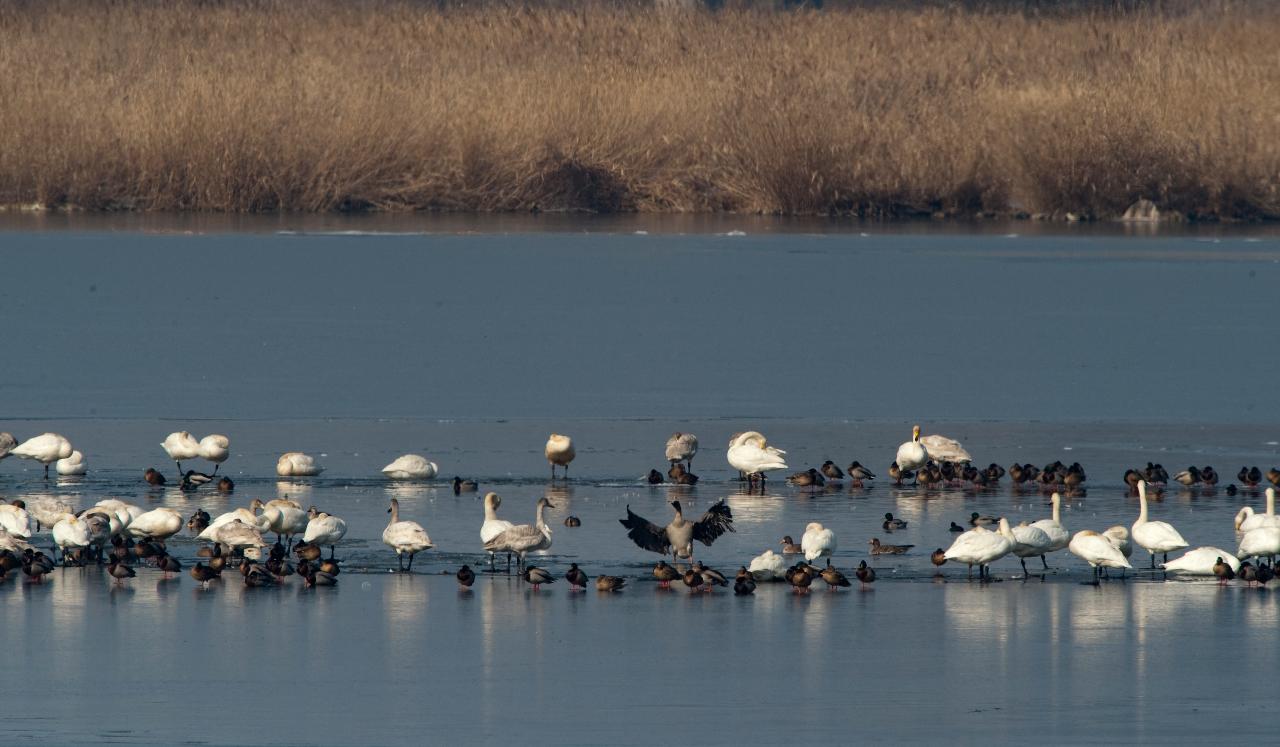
<point x="122" y="537"/>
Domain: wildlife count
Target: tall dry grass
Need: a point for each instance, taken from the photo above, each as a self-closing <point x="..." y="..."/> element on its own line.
<point x="247" y="106"/>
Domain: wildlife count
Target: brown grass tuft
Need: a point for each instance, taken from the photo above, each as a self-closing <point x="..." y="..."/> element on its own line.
<point x="875" y="111"/>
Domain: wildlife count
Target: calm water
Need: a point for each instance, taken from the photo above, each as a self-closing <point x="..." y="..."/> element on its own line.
<point x="470" y="346"/>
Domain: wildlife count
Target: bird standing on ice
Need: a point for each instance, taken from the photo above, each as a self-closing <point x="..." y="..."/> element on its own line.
<point x="215" y="448"/>
<point x="751" y="454"/>
<point x="181" y="445"/>
<point x="559" y="451"/>
<point x="46" y="448"/>
<point x="682" y="447"/>
<point x="912" y="454"/>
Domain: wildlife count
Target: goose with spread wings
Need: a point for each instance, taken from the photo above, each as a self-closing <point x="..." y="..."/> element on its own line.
<point x="678" y="536"/>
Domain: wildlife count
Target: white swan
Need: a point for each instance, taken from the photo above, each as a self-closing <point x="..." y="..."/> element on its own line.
<point x="72" y="465"/>
<point x="493" y="526"/>
<point x="522" y="539"/>
<point x="1154" y="536"/>
<point x="1118" y="536"/>
<point x="126" y="511"/>
<point x="15" y="545"/>
<point x="235" y="534"/>
<point x="15" y="520"/>
<point x="913" y="454"/>
<point x="943" y="449"/>
<point x="559" y="451"/>
<point x="1246" y="520"/>
<point x="404" y="536"/>
<point x="215" y="448"/>
<point x="1097" y="551"/>
<point x="1058" y="534"/>
<point x="981" y="547"/>
<point x="768" y="566"/>
<point x="247" y="516"/>
<point x="71" y="533"/>
<point x="1029" y="542"/>
<point x="7" y="442"/>
<point x="297" y="464"/>
<point x="751" y="454"/>
<point x="46" y="448"/>
<point x="411" y="467"/>
<point x="159" y="523"/>
<point x="284" y="517"/>
<point x="1200" y="561"/>
<point x="817" y="542"/>
<point x="1263" y="542"/>
<point x="181" y="445"/>
<point x="682" y="447"/>
<point x="324" y="529"/>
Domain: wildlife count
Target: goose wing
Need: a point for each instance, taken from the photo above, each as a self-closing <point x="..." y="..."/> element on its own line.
<point x="716" y="521"/>
<point x="646" y="534"/>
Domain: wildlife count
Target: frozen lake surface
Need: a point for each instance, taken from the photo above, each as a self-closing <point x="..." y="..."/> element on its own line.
<point x="470" y="346"/>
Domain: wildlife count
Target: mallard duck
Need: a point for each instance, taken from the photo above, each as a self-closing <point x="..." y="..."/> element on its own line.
<point x="978" y="520"/>
<point x="800" y="578"/>
<point x="655" y="477"/>
<point x="809" y="477"/>
<point x="938" y="557"/>
<point x="466" y="577"/>
<point x="154" y="477"/>
<point x="693" y="580"/>
<point x="576" y="578"/>
<point x="865" y="573"/>
<point x="859" y="473"/>
<point x="831" y="472"/>
<point x="610" y="583"/>
<point x="710" y="576"/>
<point x="879" y="549"/>
<point x="744" y="584"/>
<point x="665" y="574"/>
<point x="536" y="577"/>
<point x="1223" y="571"/>
<point x="204" y="574"/>
<point x="572" y="521"/>
<point x="898" y="474"/>
<point x="461" y="486"/>
<point x="891" y="524"/>
<point x="833" y="578"/>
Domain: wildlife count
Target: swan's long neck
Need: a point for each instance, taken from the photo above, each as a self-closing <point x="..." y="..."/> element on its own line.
<point x="395" y="513"/>
<point x="1142" y="502"/>
<point x="1271" y="501"/>
<point x="490" y="512"/>
<point x="1057" y="509"/>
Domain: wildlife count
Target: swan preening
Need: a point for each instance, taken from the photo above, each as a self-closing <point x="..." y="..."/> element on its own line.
<point x="411" y="467"/>
<point x="751" y="454"/>
<point x="559" y="451"/>
<point x="46" y="448"/>
<point x="1246" y="520"/>
<point x="682" y="447"/>
<point x="1097" y="551"/>
<point x="297" y="464"/>
<point x="182" y="446"/>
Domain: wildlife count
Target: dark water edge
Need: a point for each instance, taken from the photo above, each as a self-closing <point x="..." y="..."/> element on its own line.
<point x="554" y="222"/>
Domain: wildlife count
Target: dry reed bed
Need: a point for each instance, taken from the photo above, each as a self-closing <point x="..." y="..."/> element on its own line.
<point x="387" y="105"/>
